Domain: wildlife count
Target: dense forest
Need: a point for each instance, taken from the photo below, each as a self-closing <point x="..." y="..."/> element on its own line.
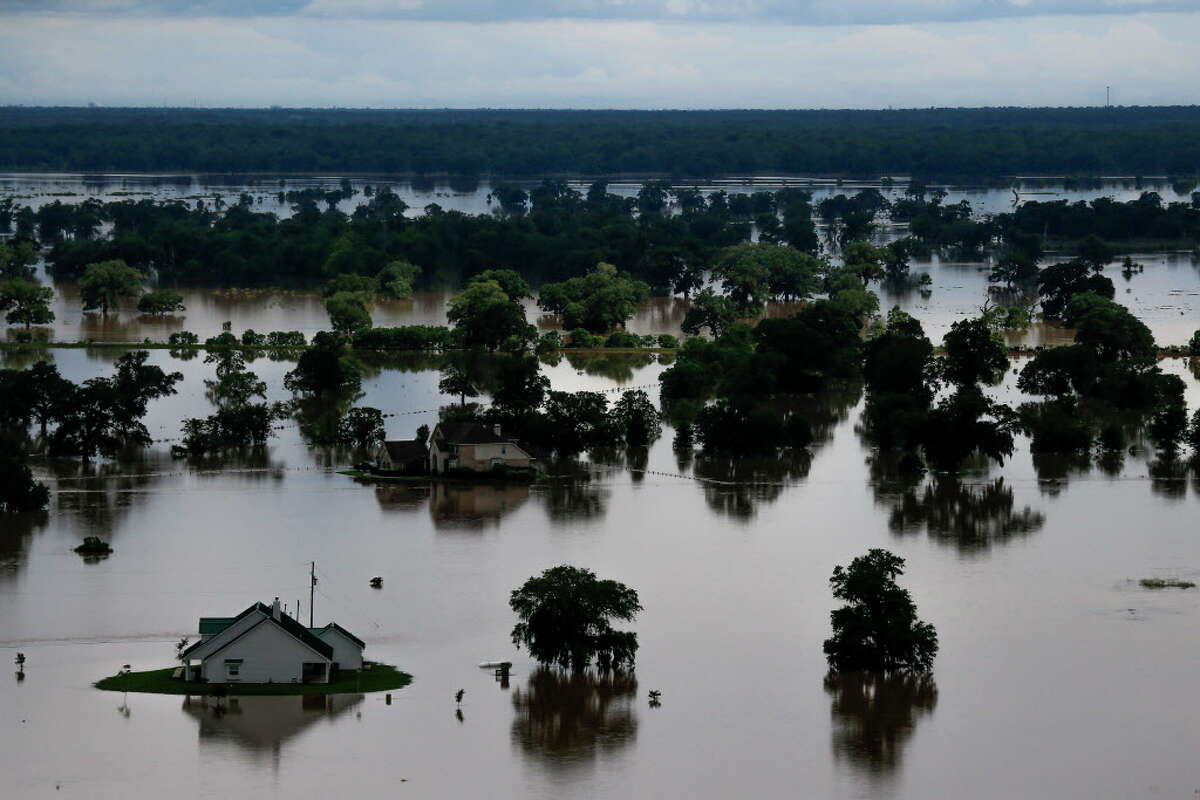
<point x="668" y="237"/>
<point x="988" y="142"/>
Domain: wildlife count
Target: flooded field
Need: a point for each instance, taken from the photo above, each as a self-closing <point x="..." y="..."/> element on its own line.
<point x="1058" y="674"/>
<point x="1166" y="295"/>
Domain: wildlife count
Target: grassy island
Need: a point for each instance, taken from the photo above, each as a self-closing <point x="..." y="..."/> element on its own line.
<point x="372" y="678"/>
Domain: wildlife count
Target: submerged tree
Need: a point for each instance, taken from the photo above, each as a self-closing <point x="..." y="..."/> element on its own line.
<point x="877" y="630"/>
<point x="19" y="492"/>
<point x="160" y="302"/>
<point x="104" y="284"/>
<point x="26" y="302"/>
<point x="325" y="367"/>
<point x="486" y="316"/>
<point x="565" y="618"/>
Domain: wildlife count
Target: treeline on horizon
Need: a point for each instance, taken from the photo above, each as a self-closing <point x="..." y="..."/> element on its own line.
<point x="982" y="143"/>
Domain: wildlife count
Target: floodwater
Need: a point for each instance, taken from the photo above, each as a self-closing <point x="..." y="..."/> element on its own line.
<point x="1058" y="676"/>
<point x="1166" y="295"/>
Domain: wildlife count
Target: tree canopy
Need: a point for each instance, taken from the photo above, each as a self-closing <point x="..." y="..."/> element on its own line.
<point x="566" y="616"/>
<point x="598" y="302"/>
<point x="877" y="629"/>
<point x="105" y="283"/>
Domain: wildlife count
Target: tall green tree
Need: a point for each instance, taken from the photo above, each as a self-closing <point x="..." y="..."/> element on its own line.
<point x="457" y="381"/>
<point x="324" y="368"/>
<point x="709" y="310"/>
<point x="486" y="315"/>
<point x="19" y="492"/>
<point x="877" y="629"/>
<point x="26" y="302"/>
<point x="348" y="313"/>
<point x="600" y="301"/>
<point x="160" y="302"/>
<point x="566" y="616"/>
<point x="105" y="283"/>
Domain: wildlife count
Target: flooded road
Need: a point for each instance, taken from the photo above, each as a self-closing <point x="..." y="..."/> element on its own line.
<point x="1058" y="675"/>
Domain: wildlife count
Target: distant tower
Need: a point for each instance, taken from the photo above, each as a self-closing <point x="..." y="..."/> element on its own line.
<point x="1108" y="97"/>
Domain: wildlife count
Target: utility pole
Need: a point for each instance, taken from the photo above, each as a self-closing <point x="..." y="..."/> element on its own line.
<point x="312" y="587"/>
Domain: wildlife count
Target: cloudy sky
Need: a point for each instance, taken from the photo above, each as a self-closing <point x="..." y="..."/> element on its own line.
<point x="599" y="53"/>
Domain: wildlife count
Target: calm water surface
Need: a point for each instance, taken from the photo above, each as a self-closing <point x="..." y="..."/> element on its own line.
<point x="1058" y="675"/>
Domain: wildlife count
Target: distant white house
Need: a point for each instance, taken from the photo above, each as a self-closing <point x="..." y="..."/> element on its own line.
<point x="265" y="645"/>
<point x="474" y="447"/>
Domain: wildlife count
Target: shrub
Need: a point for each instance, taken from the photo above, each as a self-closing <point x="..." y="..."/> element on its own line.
<point x="405" y="337"/>
<point x="285" y="339"/>
<point x="182" y="338"/>
<point x="667" y="342"/>
<point x="225" y="340"/>
<point x="581" y="339"/>
<point x="252" y="339"/>
<point x="623" y="339"/>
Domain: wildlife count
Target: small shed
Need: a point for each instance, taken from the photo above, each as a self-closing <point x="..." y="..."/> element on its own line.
<point x="406" y="455"/>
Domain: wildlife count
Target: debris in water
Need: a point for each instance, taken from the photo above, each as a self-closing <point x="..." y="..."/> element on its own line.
<point x="1166" y="583"/>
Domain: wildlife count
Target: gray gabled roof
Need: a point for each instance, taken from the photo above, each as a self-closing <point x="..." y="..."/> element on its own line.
<point x="335" y="627"/>
<point x="470" y="433"/>
<point x="287" y="623"/>
<point x="406" y="450"/>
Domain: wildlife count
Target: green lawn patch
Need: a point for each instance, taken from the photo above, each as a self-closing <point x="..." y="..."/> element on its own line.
<point x="371" y="678"/>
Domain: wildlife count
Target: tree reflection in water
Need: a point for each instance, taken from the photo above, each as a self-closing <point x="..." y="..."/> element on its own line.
<point x="874" y="716"/>
<point x="569" y="718"/>
<point x="16" y="532"/>
<point x="617" y="367"/>
<point x="736" y="487"/>
<point x="970" y="516"/>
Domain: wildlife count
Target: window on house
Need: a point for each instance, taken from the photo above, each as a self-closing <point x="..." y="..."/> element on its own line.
<point x="233" y="667"/>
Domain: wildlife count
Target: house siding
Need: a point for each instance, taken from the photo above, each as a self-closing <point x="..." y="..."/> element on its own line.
<point x="476" y="457"/>
<point x="268" y="654"/>
<point x="346" y="652"/>
<point x="215" y="640"/>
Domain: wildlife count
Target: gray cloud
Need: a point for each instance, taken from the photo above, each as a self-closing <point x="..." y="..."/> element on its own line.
<point x="795" y="12"/>
<point x="589" y="63"/>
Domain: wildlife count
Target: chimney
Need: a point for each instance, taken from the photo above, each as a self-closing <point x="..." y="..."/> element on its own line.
<point x="496" y="429"/>
<point x="275" y="610"/>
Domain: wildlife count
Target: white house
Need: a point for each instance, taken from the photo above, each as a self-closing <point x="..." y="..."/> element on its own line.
<point x="474" y="447"/>
<point x="265" y="645"/>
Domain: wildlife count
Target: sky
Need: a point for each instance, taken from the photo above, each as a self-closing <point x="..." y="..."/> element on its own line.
<point x="599" y="53"/>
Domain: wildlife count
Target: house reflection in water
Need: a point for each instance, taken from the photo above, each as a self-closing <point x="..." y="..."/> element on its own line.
<point x="452" y="504"/>
<point x="260" y="726"/>
<point x="474" y="505"/>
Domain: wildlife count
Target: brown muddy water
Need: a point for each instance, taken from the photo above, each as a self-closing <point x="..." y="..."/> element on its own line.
<point x="1058" y="676"/>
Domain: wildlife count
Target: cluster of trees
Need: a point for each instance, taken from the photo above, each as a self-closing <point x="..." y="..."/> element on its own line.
<point x="243" y="417"/>
<point x="597" y="302"/>
<point x="565" y="423"/>
<point x="904" y="377"/>
<point x="747" y="370"/>
<point x="666" y="237"/>
<point x="1104" y="387"/>
<point x="976" y="142"/>
<point x="96" y="418"/>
